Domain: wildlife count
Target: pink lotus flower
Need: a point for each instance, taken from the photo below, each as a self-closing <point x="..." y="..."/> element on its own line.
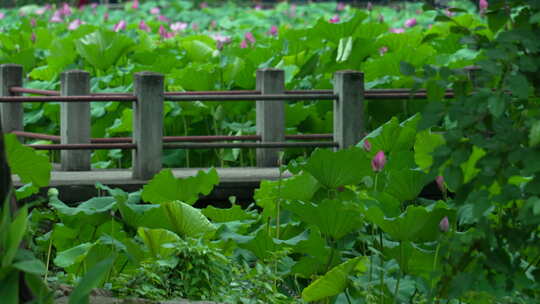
<point x="243" y="44"/>
<point x="383" y="50"/>
<point x="220" y="40"/>
<point x="164" y="34"/>
<point x="56" y="17"/>
<point x="366" y="145"/>
<point x="258" y="7"/>
<point x="93" y="5"/>
<point x="397" y="30"/>
<point x="32" y="22"/>
<point x="178" y="26"/>
<point x="106" y="17"/>
<point x="2" y="15"/>
<point x="444" y="224"/>
<point x="440" y="183"/>
<point x="121" y="25"/>
<point x="448" y="13"/>
<point x="163" y="18"/>
<point x="334" y="19"/>
<point x="411" y="22"/>
<point x="144" y="27"/>
<point x="155" y="10"/>
<point x="65" y="10"/>
<point x="340" y="6"/>
<point x="378" y="161"/>
<point x="249" y="37"/>
<point x="135" y="4"/>
<point x="483" y="5"/>
<point x="40" y="11"/>
<point x="273" y="30"/>
<point x="203" y="5"/>
<point x="73" y="25"/>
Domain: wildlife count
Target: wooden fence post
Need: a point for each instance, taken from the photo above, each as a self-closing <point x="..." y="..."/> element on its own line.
<point x="270" y="115"/>
<point x="148" y="124"/>
<point x="348" y="108"/>
<point x="11" y="112"/>
<point x="75" y="120"/>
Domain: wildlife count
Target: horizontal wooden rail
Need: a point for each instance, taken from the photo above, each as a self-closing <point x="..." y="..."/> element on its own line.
<point x="84" y="146"/>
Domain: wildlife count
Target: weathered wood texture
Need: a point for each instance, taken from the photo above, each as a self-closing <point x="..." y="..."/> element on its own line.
<point x="75" y="120"/>
<point x="349" y="108"/>
<point x="270" y="115"/>
<point x="11" y="113"/>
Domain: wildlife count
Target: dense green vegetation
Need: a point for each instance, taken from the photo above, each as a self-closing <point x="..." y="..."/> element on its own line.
<point x="347" y="226"/>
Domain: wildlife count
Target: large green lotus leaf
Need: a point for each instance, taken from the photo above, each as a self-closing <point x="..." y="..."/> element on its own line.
<point x="426" y="142"/>
<point x="156" y="239"/>
<point x="91" y="280"/>
<point x="94" y="211"/>
<point x="390" y="205"/>
<point x="299" y="187"/>
<point x="62" y="53"/>
<point x="164" y="187"/>
<point x="334" y="281"/>
<point x="334" y="218"/>
<point x="334" y="32"/>
<point x="314" y="246"/>
<point x="207" y="76"/>
<point x="469" y="167"/>
<point x="219" y="215"/>
<point x="103" y="48"/>
<point x="185" y="220"/>
<point x="416" y="224"/>
<point x="392" y="136"/>
<point x="33" y="266"/>
<point x="412" y="259"/>
<point x="371" y="30"/>
<point x="73" y="255"/>
<point x="30" y="166"/>
<point x="199" y="48"/>
<point x="341" y="168"/>
<point x="262" y="245"/>
<point x="405" y="184"/>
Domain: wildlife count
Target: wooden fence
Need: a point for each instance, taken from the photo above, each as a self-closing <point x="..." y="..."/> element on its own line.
<point x="148" y="97"/>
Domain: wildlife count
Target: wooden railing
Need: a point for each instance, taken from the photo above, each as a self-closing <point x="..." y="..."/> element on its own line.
<point x="148" y="97"/>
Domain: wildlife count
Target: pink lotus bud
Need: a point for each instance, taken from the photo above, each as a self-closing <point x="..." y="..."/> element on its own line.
<point x="33" y="37"/>
<point x="106" y="17"/>
<point x="162" y="31"/>
<point x="135" y="4"/>
<point x="419" y="12"/>
<point x="440" y="183"/>
<point x="220" y="40"/>
<point x="334" y="19"/>
<point x="258" y="7"/>
<point x="213" y="24"/>
<point x="163" y="18"/>
<point x="243" y="44"/>
<point x="383" y="50"/>
<point x="273" y="30"/>
<point x="203" y="5"/>
<point x="444" y="224"/>
<point x="448" y="13"/>
<point x="73" y="25"/>
<point x="155" y="10"/>
<point x="120" y="26"/>
<point x="2" y="15"/>
<point x="411" y="22"/>
<point x="178" y="26"/>
<point x="144" y="27"/>
<point x="93" y="5"/>
<point x="366" y="145"/>
<point x="56" y="17"/>
<point x="292" y="10"/>
<point x="369" y="6"/>
<point x="483" y="5"/>
<point x="378" y="161"/>
<point x="397" y="30"/>
<point x="340" y="6"/>
<point x="249" y="37"/>
<point x="194" y="26"/>
<point x="32" y="22"/>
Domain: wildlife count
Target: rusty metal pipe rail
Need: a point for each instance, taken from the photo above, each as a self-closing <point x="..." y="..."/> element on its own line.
<point x="172" y="139"/>
<point x="85" y="98"/>
<point x="252" y="97"/>
<point x="84" y="146"/>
